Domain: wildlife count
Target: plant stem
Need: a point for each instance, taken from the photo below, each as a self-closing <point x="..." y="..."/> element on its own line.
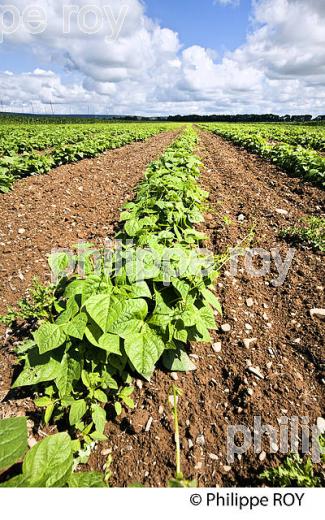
<point x="177" y="438"/>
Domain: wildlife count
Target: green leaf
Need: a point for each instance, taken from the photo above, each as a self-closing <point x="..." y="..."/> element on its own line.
<point x="76" y="328"/>
<point x="59" y="263"/>
<point x="72" y="309"/>
<point x="179" y="333"/>
<point x="189" y="316"/>
<point x="16" y="482"/>
<point x="129" y="402"/>
<point x="77" y="410"/>
<point x="49" y="337"/>
<point x="49" y="463"/>
<point x="93" y="333"/>
<point x="125" y="396"/>
<point x="70" y="372"/>
<point x="161" y="320"/>
<point x="13" y="440"/>
<point x="207" y="318"/>
<point x="38" y="374"/>
<point x="100" y="396"/>
<point x="212" y="300"/>
<point x="25" y="346"/>
<point x="140" y="290"/>
<point x="86" y="480"/>
<point x="118" y="408"/>
<point x="99" y="417"/>
<point x="97" y="436"/>
<point x="74" y="288"/>
<point x="125" y="215"/>
<point x="110" y="343"/>
<point x="133" y="227"/>
<point x="48" y="413"/>
<point x="98" y="308"/>
<point x="144" y="350"/>
<point x="126" y="317"/>
<point x="42" y="402"/>
<point x="110" y="381"/>
<point x="177" y="361"/>
<point x="182" y="287"/>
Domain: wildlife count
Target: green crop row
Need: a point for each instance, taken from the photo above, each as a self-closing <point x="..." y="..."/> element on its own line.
<point x="84" y="145"/>
<point x="139" y="306"/>
<point x="22" y="140"/>
<point x="307" y="136"/>
<point x="295" y="160"/>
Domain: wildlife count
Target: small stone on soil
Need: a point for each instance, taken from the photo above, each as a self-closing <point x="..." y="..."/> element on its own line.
<point x="248" y="342"/>
<point x="262" y="456"/>
<point x="319" y="313"/>
<point x="149" y="424"/>
<point x="226" y="327"/>
<point x="174" y="376"/>
<point x="217" y="347"/>
<point x="249" y="302"/>
<point x="200" y="440"/>
<point x="213" y="456"/>
<point x="256" y="372"/>
<point x="106" y="452"/>
<point x="283" y="212"/>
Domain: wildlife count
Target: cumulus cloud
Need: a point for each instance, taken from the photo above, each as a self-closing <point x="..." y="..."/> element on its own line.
<point x="130" y="64"/>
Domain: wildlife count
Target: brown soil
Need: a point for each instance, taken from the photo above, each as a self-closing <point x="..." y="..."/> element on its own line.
<point x="75" y="202"/>
<point x="222" y="391"/>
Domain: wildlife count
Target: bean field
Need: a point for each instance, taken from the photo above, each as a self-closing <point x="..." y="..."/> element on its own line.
<point x="136" y="328"/>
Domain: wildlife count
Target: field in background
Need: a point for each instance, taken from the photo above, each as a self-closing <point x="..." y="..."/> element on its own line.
<point x="30" y="148"/>
<point x="298" y="149"/>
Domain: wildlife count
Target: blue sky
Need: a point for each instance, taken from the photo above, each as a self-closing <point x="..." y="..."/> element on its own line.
<point x="201" y="22"/>
<point x="169" y="56"/>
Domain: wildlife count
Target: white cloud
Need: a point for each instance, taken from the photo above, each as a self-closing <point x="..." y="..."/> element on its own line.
<point x="146" y="70"/>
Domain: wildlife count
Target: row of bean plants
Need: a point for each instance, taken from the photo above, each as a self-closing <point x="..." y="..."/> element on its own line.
<point x="134" y="308"/>
<point x="294" y="159"/>
<point x="65" y="148"/>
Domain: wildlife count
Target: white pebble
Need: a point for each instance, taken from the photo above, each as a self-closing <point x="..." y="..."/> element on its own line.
<point x="217" y="347"/>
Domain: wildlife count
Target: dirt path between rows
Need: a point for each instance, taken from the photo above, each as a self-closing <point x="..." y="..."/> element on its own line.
<point x="75" y="202"/>
<point x="287" y="354"/>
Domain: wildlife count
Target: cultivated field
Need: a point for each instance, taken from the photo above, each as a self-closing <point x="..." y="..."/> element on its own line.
<point x="159" y="283"/>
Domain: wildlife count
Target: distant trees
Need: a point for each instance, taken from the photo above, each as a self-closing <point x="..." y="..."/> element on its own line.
<point x="239" y="118"/>
<point x="245" y="118"/>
